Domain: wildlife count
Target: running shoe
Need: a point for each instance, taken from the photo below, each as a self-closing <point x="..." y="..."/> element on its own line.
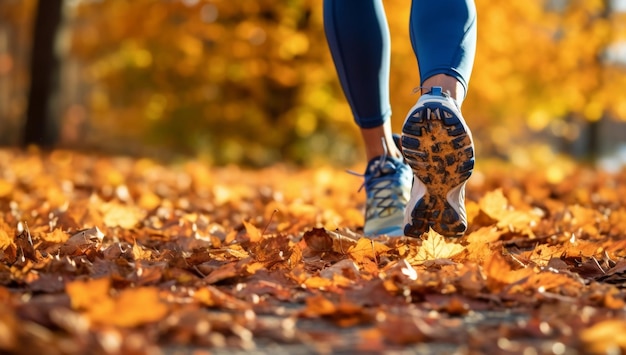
<point x="438" y="146"/>
<point x="387" y="188"/>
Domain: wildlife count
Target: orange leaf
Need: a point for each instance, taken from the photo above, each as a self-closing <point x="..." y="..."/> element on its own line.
<point x="479" y="241"/>
<point x="56" y="236"/>
<point x="5" y="239"/>
<point x="496" y="206"/>
<point x="86" y="294"/>
<point x="213" y="297"/>
<point x="366" y="248"/>
<point x="133" y="307"/>
<point x="254" y="233"/>
<point x="319" y="306"/>
<point x="605" y="337"/>
<point x="317" y="282"/>
<point x="499" y="273"/>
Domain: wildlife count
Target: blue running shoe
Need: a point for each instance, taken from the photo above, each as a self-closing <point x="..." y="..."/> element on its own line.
<point x="387" y="188"/>
<point x="438" y="146"/>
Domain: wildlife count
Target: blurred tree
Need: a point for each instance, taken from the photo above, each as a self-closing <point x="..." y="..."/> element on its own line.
<point x="39" y="128"/>
<point x="252" y="81"/>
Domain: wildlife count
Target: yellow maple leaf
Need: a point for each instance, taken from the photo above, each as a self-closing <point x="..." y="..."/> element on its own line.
<point x="434" y="248"/>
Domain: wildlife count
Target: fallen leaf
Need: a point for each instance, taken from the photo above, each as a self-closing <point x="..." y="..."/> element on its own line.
<point x="130" y="308"/>
<point x="366" y="248"/>
<point x="434" y="247"/>
<point x="213" y="297"/>
<point x="121" y="215"/>
<point x="253" y="232"/>
<point x="605" y="337"/>
<point x="5" y="240"/>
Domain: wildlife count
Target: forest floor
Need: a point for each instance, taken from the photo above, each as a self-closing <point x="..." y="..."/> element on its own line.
<point x="108" y="255"/>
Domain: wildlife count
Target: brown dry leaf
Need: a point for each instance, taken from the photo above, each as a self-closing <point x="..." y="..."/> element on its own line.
<point x="271" y="249"/>
<point x="344" y="268"/>
<point x="321" y="240"/>
<point x="435" y="247"/>
<point x="405" y="330"/>
<point x="81" y="241"/>
<point x="401" y="270"/>
<point x="318" y="240"/>
<point x="224" y="272"/>
<point x="213" y="297"/>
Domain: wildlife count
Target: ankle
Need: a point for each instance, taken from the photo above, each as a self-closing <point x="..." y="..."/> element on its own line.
<point x="449" y="85"/>
<point x="378" y="142"/>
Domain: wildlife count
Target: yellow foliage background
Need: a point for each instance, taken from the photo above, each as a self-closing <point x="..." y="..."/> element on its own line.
<point x="252" y="82"/>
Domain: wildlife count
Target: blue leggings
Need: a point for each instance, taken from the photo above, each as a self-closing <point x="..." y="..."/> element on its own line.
<point x="443" y="36"/>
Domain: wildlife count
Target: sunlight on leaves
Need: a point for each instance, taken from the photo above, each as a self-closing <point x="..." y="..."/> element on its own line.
<point x="434" y="247"/>
<point x="118" y="215"/>
<point x="366" y="248"/>
<point x="139" y="253"/>
<point x="129" y="307"/>
<point x="500" y="274"/>
<point x="5" y="240"/>
<point x="605" y="337"/>
<point x="89" y="293"/>
<point x="254" y="233"/>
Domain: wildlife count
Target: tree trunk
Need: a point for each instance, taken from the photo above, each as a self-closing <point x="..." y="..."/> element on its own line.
<point x="40" y="128"/>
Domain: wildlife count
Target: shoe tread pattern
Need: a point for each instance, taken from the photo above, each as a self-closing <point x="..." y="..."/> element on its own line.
<point x="439" y="150"/>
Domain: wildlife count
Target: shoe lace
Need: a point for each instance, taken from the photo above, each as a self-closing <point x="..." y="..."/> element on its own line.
<point x="381" y="184"/>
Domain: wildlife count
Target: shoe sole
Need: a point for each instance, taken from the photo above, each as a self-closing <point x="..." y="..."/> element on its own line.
<point x="439" y="149"/>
